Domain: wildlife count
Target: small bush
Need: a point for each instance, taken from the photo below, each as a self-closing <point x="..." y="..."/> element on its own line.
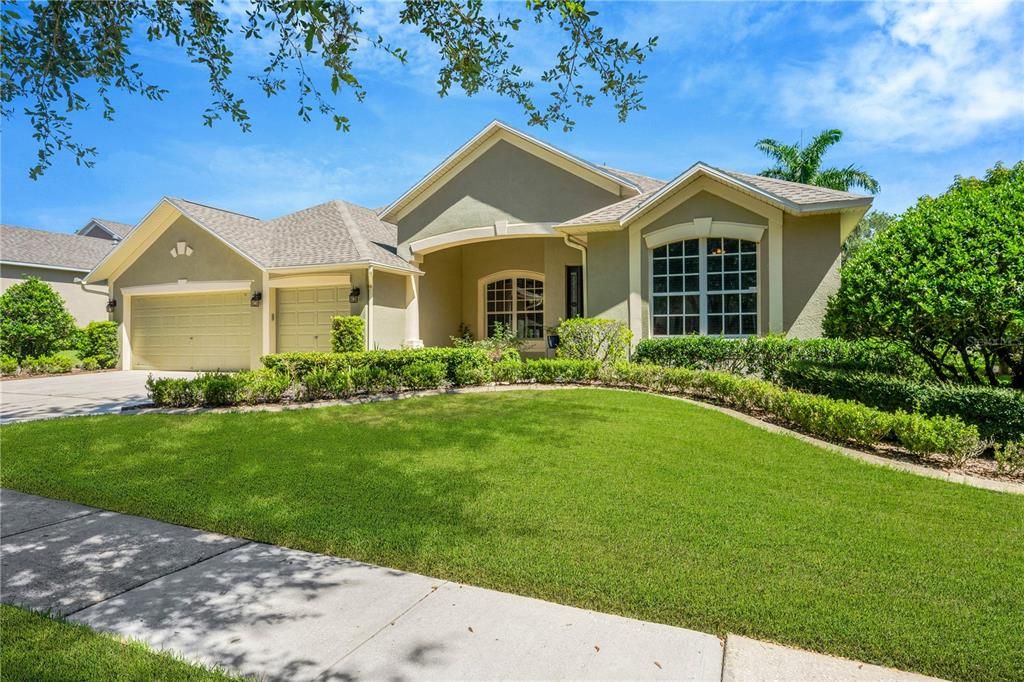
<point x="90" y="364"/>
<point x="507" y="371"/>
<point x="606" y="341"/>
<point x="34" y="321"/>
<point x="168" y="392"/>
<point x="348" y="334"/>
<point x="560" y="371"/>
<point x="503" y="339"/>
<point x="323" y="383"/>
<point x="637" y="376"/>
<point x="98" y="339"/>
<point x="424" y="375"/>
<point x="1010" y="457"/>
<point x="71" y="355"/>
<point x="947" y="436"/>
<point x="48" y="364"/>
<point x="261" y="386"/>
<point x="8" y="365"/>
<point x="216" y="389"/>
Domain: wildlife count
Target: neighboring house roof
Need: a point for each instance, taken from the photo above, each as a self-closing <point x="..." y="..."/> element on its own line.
<point x="115" y="229"/>
<point x="27" y="246"/>
<point x="791" y="196"/>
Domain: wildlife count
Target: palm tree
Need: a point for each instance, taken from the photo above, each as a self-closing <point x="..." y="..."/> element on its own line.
<point x="803" y="164"/>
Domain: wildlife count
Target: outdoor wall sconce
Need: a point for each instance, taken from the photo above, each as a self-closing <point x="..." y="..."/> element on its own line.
<point x="111" y="304"/>
<point x="255" y="300"/>
<point x="353" y="296"/>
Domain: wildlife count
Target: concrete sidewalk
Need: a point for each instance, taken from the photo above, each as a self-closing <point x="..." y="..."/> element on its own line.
<point x="284" y="614"/>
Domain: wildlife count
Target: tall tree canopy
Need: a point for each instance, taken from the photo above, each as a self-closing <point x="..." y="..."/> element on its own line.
<point x="798" y="163"/>
<point x="946" y="278"/>
<point x="60" y="57"/>
<point x="868" y="228"/>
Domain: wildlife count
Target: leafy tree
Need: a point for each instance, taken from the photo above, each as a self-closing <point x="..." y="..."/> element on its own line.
<point x="946" y="279"/>
<point x="33" y="320"/>
<point x="59" y="56"/>
<point x="798" y="163"/>
<point x="869" y="227"/>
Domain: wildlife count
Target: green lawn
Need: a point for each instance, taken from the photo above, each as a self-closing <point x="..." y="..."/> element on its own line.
<point x="620" y="502"/>
<point x="36" y="648"/>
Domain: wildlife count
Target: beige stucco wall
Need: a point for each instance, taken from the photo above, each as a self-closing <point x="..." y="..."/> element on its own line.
<point x="86" y="305"/>
<point x="450" y="287"/>
<point x="608" y="275"/>
<point x="811" y="255"/>
<point x="211" y="260"/>
<point x="505" y="183"/>
<point x="389" y="302"/>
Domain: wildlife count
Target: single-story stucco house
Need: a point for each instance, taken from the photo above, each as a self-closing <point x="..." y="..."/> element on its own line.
<point x="62" y="260"/>
<point x="508" y="229"/>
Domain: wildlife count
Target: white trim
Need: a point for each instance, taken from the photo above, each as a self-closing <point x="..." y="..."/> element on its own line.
<point x="531" y="345"/>
<point x="469" y="235"/>
<point x="310" y="280"/>
<point x="344" y="267"/>
<point x="480" y="143"/>
<point x="186" y="287"/>
<point x="62" y="268"/>
<point x="704" y="227"/>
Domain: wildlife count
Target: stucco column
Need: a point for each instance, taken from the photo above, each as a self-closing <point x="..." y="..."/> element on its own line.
<point x="266" y="310"/>
<point x="412" y="313"/>
<point x="635" y="322"/>
<point x="775" y="293"/>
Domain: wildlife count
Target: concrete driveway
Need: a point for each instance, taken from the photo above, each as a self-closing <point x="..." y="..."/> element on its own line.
<point x="73" y="394"/>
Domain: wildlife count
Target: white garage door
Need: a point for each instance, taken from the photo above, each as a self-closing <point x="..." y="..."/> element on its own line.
<point x="304" y="317"/>
<point x="192" y="331"/>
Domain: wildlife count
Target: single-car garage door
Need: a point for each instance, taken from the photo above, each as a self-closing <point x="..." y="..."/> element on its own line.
<point x="192" y="331"/>
<point x="304" y="317"/>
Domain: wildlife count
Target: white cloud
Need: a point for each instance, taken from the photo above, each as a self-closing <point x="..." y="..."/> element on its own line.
<point x="930" y="77"/>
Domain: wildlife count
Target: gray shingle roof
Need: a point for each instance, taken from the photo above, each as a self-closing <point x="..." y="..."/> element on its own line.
<point x="333" y="232"/>
<point x="793" y="191"/>
<point x="55" y="249"/>
<point x="644" y="182"/>
<point x="120" y="229"/>
<point x="612" y="212"/>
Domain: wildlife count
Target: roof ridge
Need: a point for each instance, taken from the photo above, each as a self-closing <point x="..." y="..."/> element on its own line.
<point x="215" y="208"/>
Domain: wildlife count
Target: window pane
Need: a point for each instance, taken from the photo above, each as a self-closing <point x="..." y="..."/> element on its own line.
<point x="675" y="305"/>
<point x="692" y="247"/>
<point x="731" y="282"/>
<point x="692" y="325"/>
<point x="692" y="266"/>
<point x="675" y="266"/>
<point x="660" y="285"/>
<point x="732" y="303"/>
<point x="692" y="305"/>
<point x="731" y="263"/>
<point x="714" y="324"/>
<point x="660" y="305"/>
<point x="714" y="282"/>
<point x="749" y="261"/>
<point x="714" y="246"/>
<point x="714" y="304"/>
<point x="750" y="324"/>
<point x="749" y="280"/>
<point x="692" y="282"/>
<point x="492" y="320"/>
<point x="532" y="325"/>
<point x="732" y="245"/>
<point x="675" y="249"/>
<point x="660" y="252"/>
<point x="660" y="267"/>
<point x="661" y="326"/>
<point x="714" y="263"/>
<point x="747" y="246"/>
<point x="749" y="302"/>
<point x="732" y="324"/>
<point x="675" y="284"/>
<point x="676" y="326"/>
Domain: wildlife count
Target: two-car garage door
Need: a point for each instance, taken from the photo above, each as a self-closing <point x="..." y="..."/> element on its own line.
<point x="192" y="331"/>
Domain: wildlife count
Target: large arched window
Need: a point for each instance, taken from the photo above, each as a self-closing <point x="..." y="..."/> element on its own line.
<point x="515" y="300"/>
<point x="704" y="286"/>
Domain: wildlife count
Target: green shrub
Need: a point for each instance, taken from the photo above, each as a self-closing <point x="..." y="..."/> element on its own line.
<point x="1010" y="457"/>
<point x="503" y="339"/>
<point x="71" y="356"/>
<point x="997" y="412"/>
<point x="216" y="389"/>
<point x="947" y="436"/>
<point x="463" y="366"/>
<point x="560" y="371"/>
<point x="8" y="365"/>
<point x="98" y="339"/>
<point x="48" y="364"/>
<point x="348" y="334"/>
<point x="606" y="341"/>
<point x="374" y="379"/>
<point x="767" y="355"/>
<point x="424" y="375"/>
<point x="90" y="364"/>
<point x="634" y="375"/>
<point x="34" y="320"/>
<point x="167" y="392"/>
<point x="323" y="383"/>
<point x="261" y="386"/>
<point x="507" y="371"/>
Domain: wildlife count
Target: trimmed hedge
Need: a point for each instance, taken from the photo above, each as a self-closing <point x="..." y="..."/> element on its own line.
<point x="997" y="412"/>
<point x="463" y="366"/>
<point x="584" y="338"/>
<point x="766" y="355"/>
<point x="215" y="389"/>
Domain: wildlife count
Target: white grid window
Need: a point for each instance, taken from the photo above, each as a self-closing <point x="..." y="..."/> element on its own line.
<point x="704" y="286"/>
<point x="517" y="303"/>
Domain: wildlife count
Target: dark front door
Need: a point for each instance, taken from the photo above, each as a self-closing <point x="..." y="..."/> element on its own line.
<point x="573" y="291"/>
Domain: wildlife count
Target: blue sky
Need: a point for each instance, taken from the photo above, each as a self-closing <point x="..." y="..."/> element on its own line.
<point x="923" y="93"/>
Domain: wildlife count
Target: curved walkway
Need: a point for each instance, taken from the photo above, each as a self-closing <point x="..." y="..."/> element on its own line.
<point x="920" y="470"/>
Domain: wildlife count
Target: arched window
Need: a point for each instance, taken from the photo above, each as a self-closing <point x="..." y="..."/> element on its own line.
<point x="704" y="286"/>
<point x="515" y="300"/>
